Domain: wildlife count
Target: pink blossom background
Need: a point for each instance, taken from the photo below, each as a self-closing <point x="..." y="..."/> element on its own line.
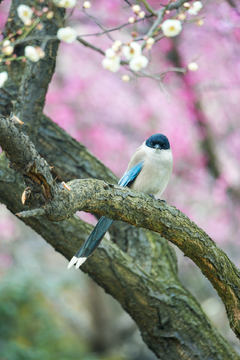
<point x="112" y="118"/>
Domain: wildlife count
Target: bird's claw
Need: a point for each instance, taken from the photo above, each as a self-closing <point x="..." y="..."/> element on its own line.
<point x="152" y="196"/>
<point x="164" y="201"/>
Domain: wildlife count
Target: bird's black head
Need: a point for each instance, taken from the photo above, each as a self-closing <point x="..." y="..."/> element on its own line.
<point x="158" y="141"/>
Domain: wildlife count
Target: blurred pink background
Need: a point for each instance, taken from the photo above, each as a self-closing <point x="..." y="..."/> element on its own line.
<point x="112" y="118"/>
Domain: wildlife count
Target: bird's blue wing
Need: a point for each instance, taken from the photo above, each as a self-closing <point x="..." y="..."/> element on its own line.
<point x="131" y="175"/>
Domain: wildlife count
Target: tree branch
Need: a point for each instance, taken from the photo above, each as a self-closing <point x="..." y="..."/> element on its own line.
<point x="119" y="203"/>
<point x="169" y="318"/>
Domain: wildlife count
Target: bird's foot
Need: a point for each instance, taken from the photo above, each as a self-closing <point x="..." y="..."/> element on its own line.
<point x="164" y="201"/>
<point x="152" y="196"/>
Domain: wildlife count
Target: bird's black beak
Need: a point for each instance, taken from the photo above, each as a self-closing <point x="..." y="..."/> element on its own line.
<point x="157" y="146"/>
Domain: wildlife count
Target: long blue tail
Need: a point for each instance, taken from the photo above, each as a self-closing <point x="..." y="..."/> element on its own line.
<point x="103" y="224"/>
<point x="92" y="242"/>
<point x="95" y="237"/>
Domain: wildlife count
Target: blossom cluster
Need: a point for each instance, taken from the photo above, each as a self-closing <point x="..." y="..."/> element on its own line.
<point x="132" y="52"/>
<point x="195" y="8"/>
<point x="138" y="13"/>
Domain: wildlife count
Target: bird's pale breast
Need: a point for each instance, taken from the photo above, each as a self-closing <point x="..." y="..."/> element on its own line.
<point x="155" y="173"/>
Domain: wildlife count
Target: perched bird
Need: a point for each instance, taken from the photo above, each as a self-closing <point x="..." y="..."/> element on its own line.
<point x="149" y="171"/>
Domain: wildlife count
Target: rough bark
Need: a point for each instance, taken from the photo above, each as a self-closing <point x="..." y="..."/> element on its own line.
<point x="32" y="78"/>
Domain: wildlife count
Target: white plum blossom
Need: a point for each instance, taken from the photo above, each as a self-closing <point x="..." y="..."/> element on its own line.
<point x="116" y="45"/>
<point x="111" y="61"/>
<point x="8" y="50"/>
<point x="150" y="41"/>
<point x="6" y="43"/>
<point x="125" y="78"/>
<point x="87" y="5"/>
<point x="24" y="13"/>
<point x="113" y="64"/>
<point x="142" y="14"/>
<point x="131" y="20"/>
<point x="50" y="15"/>
<point x="133" y="53"/>
<point x="200" y="22"/>
<point x="171" y="27"/>
<point x="31" y="53"/>
<point x="192" y="66"/>
<point x="195" y="8"/>
<point x="3" y="78"/>
<point x="110" y="53"/>
<point x="181" y="16"/>
<point x="132" y="50"/>
<point x="138" y="62"/>
<point x="65" y="3"/>
<point x="136" y="8"/>
<point x="40" y="51"/>
<point x="67" y="34"/>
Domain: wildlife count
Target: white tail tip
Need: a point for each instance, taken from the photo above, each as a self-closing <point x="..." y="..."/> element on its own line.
<point x="80" y="262"/>
<point x="72" y="262"/>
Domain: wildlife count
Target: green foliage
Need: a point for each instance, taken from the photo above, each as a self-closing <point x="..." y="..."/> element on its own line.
<point x="32" y="328"/>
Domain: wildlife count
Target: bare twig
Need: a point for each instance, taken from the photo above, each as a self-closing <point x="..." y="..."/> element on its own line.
<point x="149" y="8"/>
<point x="30" y="213"/>
<point x="85" y="43"/>
<point x="99" y="24"/>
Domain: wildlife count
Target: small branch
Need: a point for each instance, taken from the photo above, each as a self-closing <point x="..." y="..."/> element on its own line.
<point x="25" y="159"/>
<point x="149" y="8"/>
<point x="29" y="213"/>
<point x="97" y="22"/>
<point x="85" y="43"/>
<point x="175" y="5"/>
<point x="116" y="28"/>
<point x="233" y="5"/>
<point x="154" y="26"/>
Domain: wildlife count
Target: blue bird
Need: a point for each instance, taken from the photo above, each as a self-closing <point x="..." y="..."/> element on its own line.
<point x="149" y="171"/>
